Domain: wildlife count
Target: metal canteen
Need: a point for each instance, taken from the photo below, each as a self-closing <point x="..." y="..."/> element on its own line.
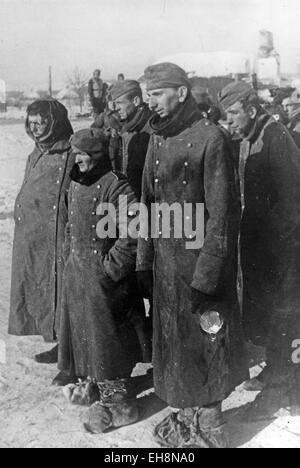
<point x="211" y="323"/>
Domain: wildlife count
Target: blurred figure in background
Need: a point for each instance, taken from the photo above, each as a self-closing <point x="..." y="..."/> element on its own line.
<point x="97" y="93"/>
<point x="108" y="122"/>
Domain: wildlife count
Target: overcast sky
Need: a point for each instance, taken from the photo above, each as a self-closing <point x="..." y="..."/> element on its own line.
<point x="126" y="35"/>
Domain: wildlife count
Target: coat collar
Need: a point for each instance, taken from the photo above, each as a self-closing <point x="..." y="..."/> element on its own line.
<point x="139" y="120"/>
<point x="59" y="147"/>
<point x="187" y="114"/>
<point x="91" y="177"/>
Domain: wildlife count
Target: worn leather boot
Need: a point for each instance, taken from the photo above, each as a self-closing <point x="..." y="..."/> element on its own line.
<point x="49" y="357"/>
<point x="116" y="407"/>
<point x="212" y="426"/>
<point x="193" y="428"/>
<point x="99" y="418"/>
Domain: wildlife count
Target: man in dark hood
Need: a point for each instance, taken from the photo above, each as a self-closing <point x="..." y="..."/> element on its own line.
<point x="40" y="219"/>
<point x="98" y="339"/>
<point x="189" y="165"/>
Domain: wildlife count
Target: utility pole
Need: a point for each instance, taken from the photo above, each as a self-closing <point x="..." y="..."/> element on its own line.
<point x="50" y="82"/>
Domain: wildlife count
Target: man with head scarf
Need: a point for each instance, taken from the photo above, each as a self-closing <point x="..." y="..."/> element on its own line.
<point x="189" y="164"/>
<point x="270" y="249"/>
<point x="40" y="219"/>
<point x="97" y="338"/>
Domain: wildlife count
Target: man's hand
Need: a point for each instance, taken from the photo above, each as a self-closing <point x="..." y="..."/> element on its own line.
<point x="201" y="302"/>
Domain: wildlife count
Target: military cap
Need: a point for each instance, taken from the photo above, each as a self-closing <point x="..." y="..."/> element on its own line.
<point x="234" y="92"/>
<point x="120" y="88"/>
<point x="91" y="141"/>
<point x="165" y="75"/>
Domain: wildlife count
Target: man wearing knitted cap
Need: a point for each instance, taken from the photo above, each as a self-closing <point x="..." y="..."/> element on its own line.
<point x="40" y="219"/>
<point x="189" y="163"/>
<point x="135" y="132"/>
<point x="270" y="247"/>
<point x="97" y="338"/>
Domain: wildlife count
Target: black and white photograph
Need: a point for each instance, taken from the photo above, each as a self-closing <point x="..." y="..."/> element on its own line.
<point x="150" y="226"/>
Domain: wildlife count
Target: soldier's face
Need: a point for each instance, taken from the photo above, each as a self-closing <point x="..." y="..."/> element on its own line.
<point x="164" y="101"/>
<point x="289" y="107"/>
<point x="37" y="125"/>
<point x="83" y="160"/>
<point x="125" y="107"/>
<point x="241" y="121"/>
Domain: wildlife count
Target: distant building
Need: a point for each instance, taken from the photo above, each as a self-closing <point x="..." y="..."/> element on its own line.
<point x="3" y="103"/>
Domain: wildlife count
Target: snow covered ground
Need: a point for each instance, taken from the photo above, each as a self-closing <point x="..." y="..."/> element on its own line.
<point x="34" y="414"/>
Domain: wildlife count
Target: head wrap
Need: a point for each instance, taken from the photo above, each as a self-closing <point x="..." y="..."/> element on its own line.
<point x="165" y="75"/>
<point x="234" y="92"/>
<point x="120" y="88"/>
<point x="58" y="128"/>
<point x="91" y="141"/>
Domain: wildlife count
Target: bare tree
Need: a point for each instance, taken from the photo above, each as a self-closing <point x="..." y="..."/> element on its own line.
<point x="77" y="81"/>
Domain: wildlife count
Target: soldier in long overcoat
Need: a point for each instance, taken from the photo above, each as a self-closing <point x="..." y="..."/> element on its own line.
<point x="97" y="338"/>
<point x="135" y="130"/>
<point x="189" y="162"/>
<point x="269" y="240"/>
<point x="40" y="218"/>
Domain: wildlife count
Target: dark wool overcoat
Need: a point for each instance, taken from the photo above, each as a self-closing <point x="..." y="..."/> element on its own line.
<point x="270" y="231"/>
<point x="40" y="219"/>
<point x="97" y="336"/>
<point x="294" y="127"/>
<point x="190" y="162"/>
<point x="135" y="139"/>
